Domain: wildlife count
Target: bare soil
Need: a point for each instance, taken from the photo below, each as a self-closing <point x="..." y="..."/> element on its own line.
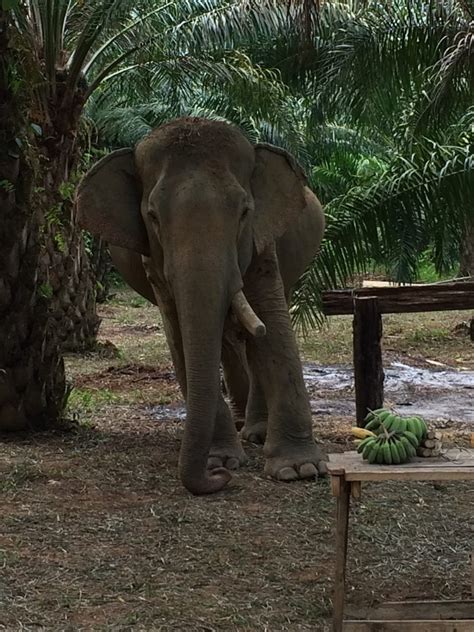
<point x="98" y="534"/>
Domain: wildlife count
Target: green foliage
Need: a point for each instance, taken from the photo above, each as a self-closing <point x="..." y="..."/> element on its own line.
<point x="7" y="186"/>
<point x="45" y="290"/>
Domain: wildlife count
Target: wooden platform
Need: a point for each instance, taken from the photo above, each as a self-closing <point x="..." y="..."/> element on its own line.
<point x="454" y="465"/>
<point x="348" y="471"/>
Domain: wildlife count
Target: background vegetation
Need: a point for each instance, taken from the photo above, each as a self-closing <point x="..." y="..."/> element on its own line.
<point x="375" y="101"/>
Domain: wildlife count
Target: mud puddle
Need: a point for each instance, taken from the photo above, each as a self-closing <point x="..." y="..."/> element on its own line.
<point x="411" y="390"/>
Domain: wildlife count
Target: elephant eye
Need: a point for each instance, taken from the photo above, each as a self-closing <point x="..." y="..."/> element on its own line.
<point x="245" y="212"/>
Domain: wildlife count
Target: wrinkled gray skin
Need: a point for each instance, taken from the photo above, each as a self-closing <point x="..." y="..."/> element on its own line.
<point x="193" y="215"/>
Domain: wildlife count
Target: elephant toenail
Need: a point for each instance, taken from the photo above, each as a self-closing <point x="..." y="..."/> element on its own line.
<point x="308" y="470"/>
<point x="213" y="462"/>
<point x="287" y="474"/>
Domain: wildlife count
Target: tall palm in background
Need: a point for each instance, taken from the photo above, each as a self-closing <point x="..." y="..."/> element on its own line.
<point x="402" y="76"/>
<point x="376" y="101"/>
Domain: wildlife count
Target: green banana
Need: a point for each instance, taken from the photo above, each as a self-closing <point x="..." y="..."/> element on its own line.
<point x="396" y="424"/>
<point x="387" y="453"/>
<point x="383" y="414"/>
<point x="379" y="459"/>
<point x="408" y="445"/>
<point x="372" y="455"/>
<point x="395" y="454"/>
<point x="368" y="447"/>
<point x="363" y="443"/>
<point x="412" y="438"/>
<point x="373" y="425"/>
<point x="404" y="456"/>
<point x="418" y="427"/>
<point x="402" y="425"/>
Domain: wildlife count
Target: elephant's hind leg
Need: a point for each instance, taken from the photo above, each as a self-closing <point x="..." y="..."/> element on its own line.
<point x="226" y="449"/>
<point x="255" y="427"/>
<point x="234" y="362"/>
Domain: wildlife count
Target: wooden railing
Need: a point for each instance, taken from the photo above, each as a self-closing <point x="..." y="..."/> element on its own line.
<point x="367" y="305"/>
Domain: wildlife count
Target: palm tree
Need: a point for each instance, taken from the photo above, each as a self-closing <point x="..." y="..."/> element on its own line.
<point x="403" y="76"/>
<point x="32" y="371"/>
<point x="68" y="53"/>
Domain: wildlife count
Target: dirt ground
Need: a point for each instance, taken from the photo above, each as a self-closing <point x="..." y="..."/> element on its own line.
<point x="98" y="534"/>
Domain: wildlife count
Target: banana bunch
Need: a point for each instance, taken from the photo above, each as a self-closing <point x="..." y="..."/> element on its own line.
<point x="389" y="448"/>
<point x="388" y="438"/>
<point x="378" y="421"/>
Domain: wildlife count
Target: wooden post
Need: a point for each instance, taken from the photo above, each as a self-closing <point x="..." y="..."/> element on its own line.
<point x="342" y="527"/>
<point x="368" y="368"/>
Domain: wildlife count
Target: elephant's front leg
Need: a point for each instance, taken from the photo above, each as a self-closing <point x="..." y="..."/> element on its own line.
<point x="290" y="449"/>
<point x="226" y="449"/>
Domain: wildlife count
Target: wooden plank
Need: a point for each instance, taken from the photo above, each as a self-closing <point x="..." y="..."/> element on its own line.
<point x="454" y="465"/>
<point x="453" y="609"/>
<point x="408" y="298"/>
<point x="425" y="625"/>
<point x="368" y="369"/>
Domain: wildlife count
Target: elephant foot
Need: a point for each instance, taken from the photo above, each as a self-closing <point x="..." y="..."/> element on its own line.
<point x="255" y="433"/>
<point x="295" y="462"/>
<point x="231" y="457"/>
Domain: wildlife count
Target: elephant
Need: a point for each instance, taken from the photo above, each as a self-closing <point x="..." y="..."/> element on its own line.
<point x="215" y="231"/>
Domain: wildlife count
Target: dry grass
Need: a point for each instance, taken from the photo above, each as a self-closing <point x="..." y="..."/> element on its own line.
<point x="98" y="534"/>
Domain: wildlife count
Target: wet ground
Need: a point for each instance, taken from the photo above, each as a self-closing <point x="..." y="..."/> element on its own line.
<point x="434" y="394"/>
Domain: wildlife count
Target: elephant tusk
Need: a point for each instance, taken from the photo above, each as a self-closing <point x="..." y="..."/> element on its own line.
<point x="246" y="316"/>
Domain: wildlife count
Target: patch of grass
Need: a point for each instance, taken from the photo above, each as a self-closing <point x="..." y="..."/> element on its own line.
<point x="427" y="336"/>
<point x="82" y="402"/>
<point x="19" y="475"/>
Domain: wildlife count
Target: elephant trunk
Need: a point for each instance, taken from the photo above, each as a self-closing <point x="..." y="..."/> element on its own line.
<point x="202" y="300"/>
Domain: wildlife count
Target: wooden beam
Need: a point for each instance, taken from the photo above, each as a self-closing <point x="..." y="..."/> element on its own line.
<point x="426" y="625"/>
<point x="368" y="369"/>
<point x="427" y="610"/>
<point x="407" y="298"/>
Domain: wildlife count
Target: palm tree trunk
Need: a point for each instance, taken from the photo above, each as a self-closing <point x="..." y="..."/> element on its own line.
<point x="467" y="250"/>
<point x="65" y="265"/>
<point x="32" y="382"/>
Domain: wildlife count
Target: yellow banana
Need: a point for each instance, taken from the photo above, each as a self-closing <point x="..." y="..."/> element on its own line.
<point x="361" y="433"/>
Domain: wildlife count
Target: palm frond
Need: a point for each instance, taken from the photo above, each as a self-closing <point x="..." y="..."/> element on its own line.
<point x="389" y="220"/>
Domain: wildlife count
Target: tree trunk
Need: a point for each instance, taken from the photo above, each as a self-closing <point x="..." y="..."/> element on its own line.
<point x="101" y="263"/>
<point x="467" y="252"/>
<point x="65" y="267"/>
<point x="32" y="384"/>
<point x="68" y="279"/>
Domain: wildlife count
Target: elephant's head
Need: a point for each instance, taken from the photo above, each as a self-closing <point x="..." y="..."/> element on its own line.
<point x="198" y="201"/>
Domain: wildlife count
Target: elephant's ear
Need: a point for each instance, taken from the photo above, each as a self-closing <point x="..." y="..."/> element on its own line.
<point x="108" y="202"/>
<point x="278" y="184"/>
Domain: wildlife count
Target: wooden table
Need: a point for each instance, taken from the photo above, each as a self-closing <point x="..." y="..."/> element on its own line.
<point x="347" y="472"/>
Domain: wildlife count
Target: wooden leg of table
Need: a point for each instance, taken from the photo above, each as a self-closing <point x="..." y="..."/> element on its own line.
<point x="472" y="574"/>
<point x="342" y="524"/>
